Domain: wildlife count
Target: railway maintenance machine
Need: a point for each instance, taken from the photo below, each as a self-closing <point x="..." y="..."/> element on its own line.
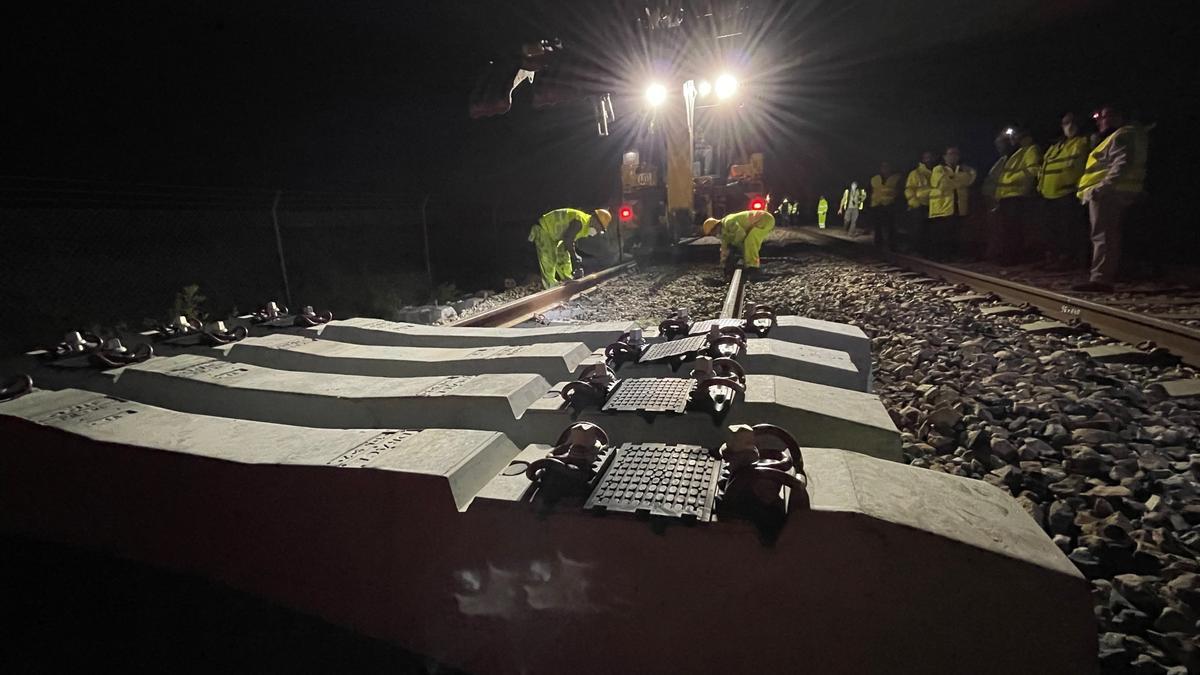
<point x="686" y="86"/>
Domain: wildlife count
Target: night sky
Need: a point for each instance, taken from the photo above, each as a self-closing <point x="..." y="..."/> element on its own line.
<point x="372" y="96"/>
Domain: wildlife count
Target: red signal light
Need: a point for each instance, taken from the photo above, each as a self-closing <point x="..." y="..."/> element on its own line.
<point x="626" y="212"/>
<point x="757" y="204"/>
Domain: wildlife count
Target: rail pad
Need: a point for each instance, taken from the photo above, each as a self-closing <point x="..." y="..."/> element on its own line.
<point x="651" y="395"/>
<point x="679" y="481"/>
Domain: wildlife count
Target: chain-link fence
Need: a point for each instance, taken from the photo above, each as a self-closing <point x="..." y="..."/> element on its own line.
<point x="76" y="256"/>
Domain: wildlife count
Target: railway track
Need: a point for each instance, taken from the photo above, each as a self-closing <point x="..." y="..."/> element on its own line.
<point x="524" y="309"/>
<point x="1129" y="326"/>
<point x="693" y="287"/>
<point x="948" y="377"/>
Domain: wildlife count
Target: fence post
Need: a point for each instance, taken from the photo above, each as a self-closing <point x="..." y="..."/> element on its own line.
<point x="287" y="287"/>
<point x="425" y="232"/>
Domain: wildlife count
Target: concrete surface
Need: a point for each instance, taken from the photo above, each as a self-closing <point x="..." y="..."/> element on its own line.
<point x="1003" y="310"/>
<point x="1047" y="326"/>
<point x="552" y="360"/>
<point x="841" y="337"/>
<point x="768" y="356"/>
<point x="1117" y="353"/>
<point x="453" y="462"/>
<point x="892" y="569"/>
<point x="208" y="386"/>
<point x="1179" y="388"/>
<point x="389" y="333"/>
<point x="815" y="414"/>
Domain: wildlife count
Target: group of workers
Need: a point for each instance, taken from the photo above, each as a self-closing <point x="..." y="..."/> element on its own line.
<point x="1047" y="200"/>
<point x="556" y="234"/>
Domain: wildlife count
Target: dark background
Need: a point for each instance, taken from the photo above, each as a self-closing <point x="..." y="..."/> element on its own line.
<point x="358" y="105"/>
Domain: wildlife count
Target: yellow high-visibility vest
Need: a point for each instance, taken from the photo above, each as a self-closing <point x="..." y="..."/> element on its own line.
<point x="1062" y="166"/>
<point x="554" y="223"/>
<point x="883" y="192"/>
<point x="948" y="190"/>
<point x="1130" y="142"/>
<point x="916" y="186"/>
<point x="1020" y="174"/>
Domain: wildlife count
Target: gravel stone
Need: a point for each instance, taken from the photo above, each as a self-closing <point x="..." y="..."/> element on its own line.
<point x="1077" y="440"/>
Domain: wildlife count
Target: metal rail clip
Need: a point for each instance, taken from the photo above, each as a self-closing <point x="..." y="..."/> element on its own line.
<point x="308" y="318"/>
<point x="271" y="311"/>
<point x="113" y="354"/>
<point x="628" y="349"/>
<point x="76" y="343"/>
<point x="217" y="334"/>
<point x="15" y="387"/>
<point x="571" y="467"/>
<point x="764" y="478"/>
<point x="675" y="326"/>
<point x="759" y="319"/>
<point x="719" y="381"/>
<point x="592" y="387"/>
<point x="726" y="342"/>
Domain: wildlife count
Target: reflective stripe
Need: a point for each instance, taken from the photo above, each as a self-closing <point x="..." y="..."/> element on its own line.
<point x="1019" y="177"/>
<point x="1099" y="162"/>
<point x="1062" y="167"/>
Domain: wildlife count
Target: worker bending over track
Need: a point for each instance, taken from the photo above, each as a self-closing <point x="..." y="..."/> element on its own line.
<point x="555" y="234"/>
<point x="745" y="231"/>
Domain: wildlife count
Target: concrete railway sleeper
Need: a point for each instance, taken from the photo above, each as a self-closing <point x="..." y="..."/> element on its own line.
<point x="1092" y="464"/>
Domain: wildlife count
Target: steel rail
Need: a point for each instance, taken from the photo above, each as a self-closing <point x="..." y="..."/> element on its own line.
<point x="732" y="307"/>
<point x="523" y="309"/>
<point x="1131" y="327"/>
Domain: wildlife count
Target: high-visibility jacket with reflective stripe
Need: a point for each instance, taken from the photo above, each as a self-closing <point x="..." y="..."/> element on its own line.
<point x="1062" y="166"/>
<point x="883" y="192"/>
<point x="735" y="225"/>
<point x="916" y="186"/>
<point x="822" y="207"/>
<point x="948" y="190"/>
<point x="854" y="201"/>
<point x="1020" y="174"/>
<point x="1117" y="163"/>
<point x="555" y="223"/>
<point x="736" y="231"/>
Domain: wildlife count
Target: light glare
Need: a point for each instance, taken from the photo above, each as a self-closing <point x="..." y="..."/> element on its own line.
<point x="656" y="94"/>
<point x="726" y="86"/>
<point x="704" y="88"/>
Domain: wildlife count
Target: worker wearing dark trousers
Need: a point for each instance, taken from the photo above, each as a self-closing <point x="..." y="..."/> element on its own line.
<point x="885" y="186"/>
<point x="883" y="219"/>
<point x="1014" y="193"/>
<point x="1112" y="182"/>
<point x="916" y="196"/>
<point x="1064" y="220"/>
<point x="948" y="205"/>
<point x="992" y="221"/>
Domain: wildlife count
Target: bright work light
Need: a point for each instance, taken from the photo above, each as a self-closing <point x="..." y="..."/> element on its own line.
<point x="726" y="86"/>
<point x="656" y="94"/>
